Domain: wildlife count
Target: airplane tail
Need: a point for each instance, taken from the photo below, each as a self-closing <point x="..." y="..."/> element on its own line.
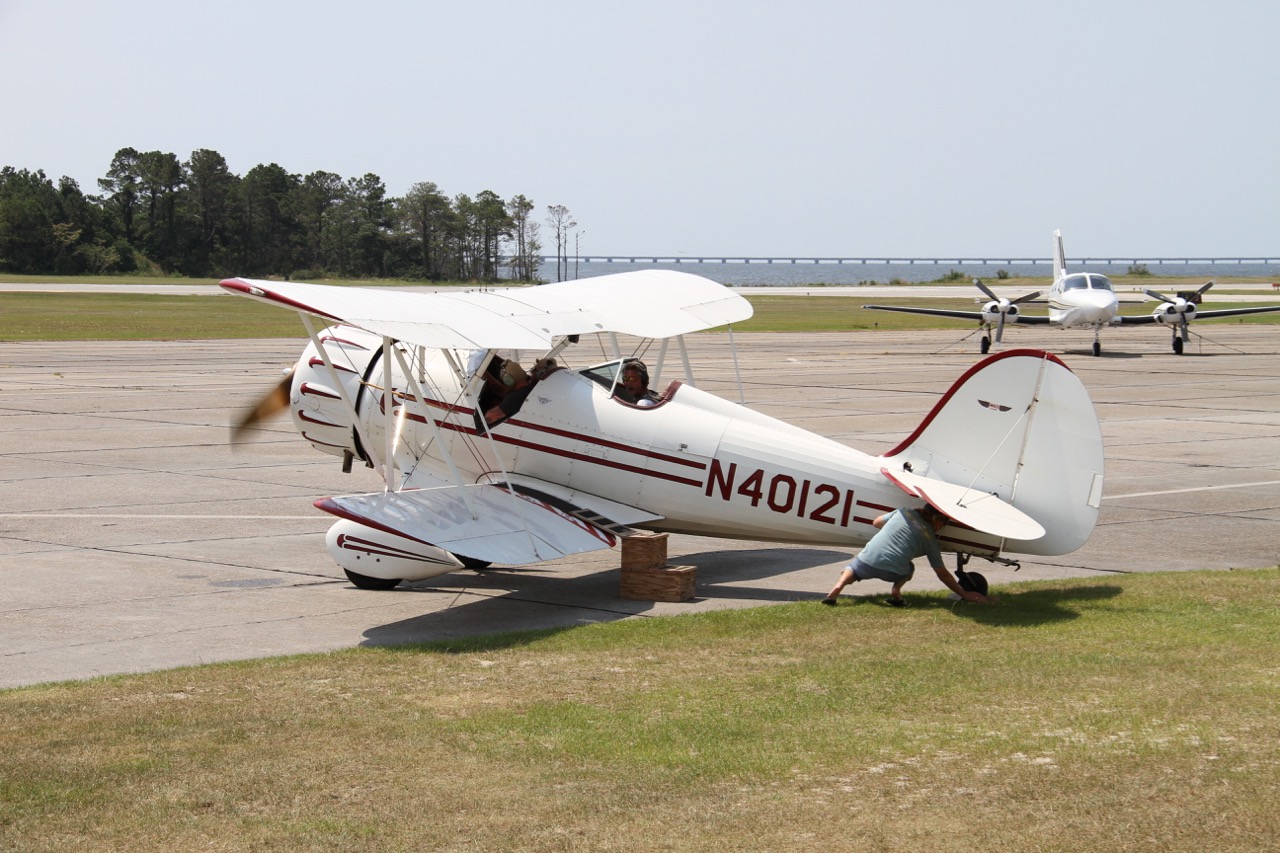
<point x="1020" y="426"/>
<point x="1059" y="257"/>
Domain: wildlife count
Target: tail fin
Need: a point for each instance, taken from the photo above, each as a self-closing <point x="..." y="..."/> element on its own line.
<point x="1059" y="257"/>
<point x="1019" y="425"/>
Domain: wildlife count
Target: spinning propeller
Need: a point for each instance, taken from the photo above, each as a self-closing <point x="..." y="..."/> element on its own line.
<point x="1004" y="307"/>
<point x="271" y="403"/>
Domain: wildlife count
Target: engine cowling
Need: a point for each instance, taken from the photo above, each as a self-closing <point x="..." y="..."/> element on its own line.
<point x="1174" y="313"/>
<point x="316" y="405"/>
<point x="992" y="310"/>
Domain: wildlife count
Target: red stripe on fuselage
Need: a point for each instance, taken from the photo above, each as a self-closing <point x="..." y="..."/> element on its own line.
<point x="567" y="454"/>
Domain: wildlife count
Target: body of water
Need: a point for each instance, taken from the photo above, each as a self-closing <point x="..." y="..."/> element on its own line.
<point x="785" y="273"/>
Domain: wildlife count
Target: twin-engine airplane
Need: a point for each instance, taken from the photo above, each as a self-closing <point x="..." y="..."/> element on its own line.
<point x="565" y="463"/>
<point x="1082" y="300"/>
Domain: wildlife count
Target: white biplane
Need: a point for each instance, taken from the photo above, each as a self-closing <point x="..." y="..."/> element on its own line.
<point x="1083" y="300"/>
<point x="1012" y="453"/>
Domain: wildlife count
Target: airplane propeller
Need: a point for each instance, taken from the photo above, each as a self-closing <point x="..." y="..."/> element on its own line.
<point x="271" y="403"/>
<point x="1195" y="297"/>
<point x="1180" y="307"/>
<point x="1003" y="305"/>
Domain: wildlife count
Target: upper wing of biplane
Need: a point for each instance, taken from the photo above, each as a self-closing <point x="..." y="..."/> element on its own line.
<point x="644" y="303"/>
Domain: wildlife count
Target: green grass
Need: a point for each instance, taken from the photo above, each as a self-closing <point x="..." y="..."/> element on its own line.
<point x="1132" y="713"/>
<point x="140" y="317"/>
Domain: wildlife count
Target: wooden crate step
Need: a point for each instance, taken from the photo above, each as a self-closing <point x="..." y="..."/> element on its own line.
<point x="668" y="583"/>
<point x="644" y="551"/>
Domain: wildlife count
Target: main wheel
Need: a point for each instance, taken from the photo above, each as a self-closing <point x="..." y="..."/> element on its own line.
<point x="986" y="344"/>
<point x="972" y="582"/>
<point x="366" y="582"/>
<point x="1177" y="346"/>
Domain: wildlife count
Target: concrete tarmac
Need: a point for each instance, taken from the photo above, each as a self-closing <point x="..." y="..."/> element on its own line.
<point x="133" y="537"/>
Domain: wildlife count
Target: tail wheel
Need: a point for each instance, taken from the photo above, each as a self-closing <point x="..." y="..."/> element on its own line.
<point x="366" y="582"/>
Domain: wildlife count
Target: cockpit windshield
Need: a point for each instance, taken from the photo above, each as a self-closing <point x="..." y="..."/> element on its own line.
<point x="1085" y="281"/>
<point x="605" y="375"/>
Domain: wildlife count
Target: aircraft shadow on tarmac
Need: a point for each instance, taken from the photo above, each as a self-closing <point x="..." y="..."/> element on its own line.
<point x="547" y="602"/>
<point x="553" y="602"/>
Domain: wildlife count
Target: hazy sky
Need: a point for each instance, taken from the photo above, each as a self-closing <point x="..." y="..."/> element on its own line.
<point x="704" y="128"/>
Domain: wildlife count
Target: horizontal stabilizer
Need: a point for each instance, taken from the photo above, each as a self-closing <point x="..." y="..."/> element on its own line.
<point x="507" y="528"/>
<point x="979" y="510"/>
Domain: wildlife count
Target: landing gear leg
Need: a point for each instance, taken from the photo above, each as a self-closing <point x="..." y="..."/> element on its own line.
<point x="969" y="581"/>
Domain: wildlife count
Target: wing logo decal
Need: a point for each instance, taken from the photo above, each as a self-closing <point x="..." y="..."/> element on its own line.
<point x="995" y="407"/>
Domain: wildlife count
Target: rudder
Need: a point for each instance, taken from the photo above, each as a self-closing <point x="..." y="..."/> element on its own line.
<point x="1019" y="425"/>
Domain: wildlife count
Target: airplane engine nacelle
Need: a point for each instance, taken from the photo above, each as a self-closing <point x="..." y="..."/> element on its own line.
<point x="992" y="310"/>
<point x="315" y="402"/>
<point x="1173" y="313"/>
<point x="379" y="554"/>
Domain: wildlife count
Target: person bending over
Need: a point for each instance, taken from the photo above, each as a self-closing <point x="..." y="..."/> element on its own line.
<point x="902" y="535"/>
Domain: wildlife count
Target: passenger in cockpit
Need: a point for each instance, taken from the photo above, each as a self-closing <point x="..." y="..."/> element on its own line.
<point x="634" y="387"/>
<point x="518" y="385"/>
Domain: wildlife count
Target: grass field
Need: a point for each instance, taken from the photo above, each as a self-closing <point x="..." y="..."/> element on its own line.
<point x="1135" y="713"/>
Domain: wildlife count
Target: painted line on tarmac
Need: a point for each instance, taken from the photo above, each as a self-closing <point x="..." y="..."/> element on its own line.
<point x="1197" y="489"/>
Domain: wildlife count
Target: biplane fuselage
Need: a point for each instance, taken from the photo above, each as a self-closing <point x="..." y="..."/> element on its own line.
<point x="703" y="464"/>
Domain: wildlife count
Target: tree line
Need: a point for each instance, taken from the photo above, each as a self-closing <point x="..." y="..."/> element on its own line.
<point x="157" y="214"/>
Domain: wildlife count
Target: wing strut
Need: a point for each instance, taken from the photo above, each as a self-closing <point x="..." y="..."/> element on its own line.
<point x="737" y="369"/>
<point x="688" y="366"/>
<point x="388" y="403"/>
<point x="416" y="388"/>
